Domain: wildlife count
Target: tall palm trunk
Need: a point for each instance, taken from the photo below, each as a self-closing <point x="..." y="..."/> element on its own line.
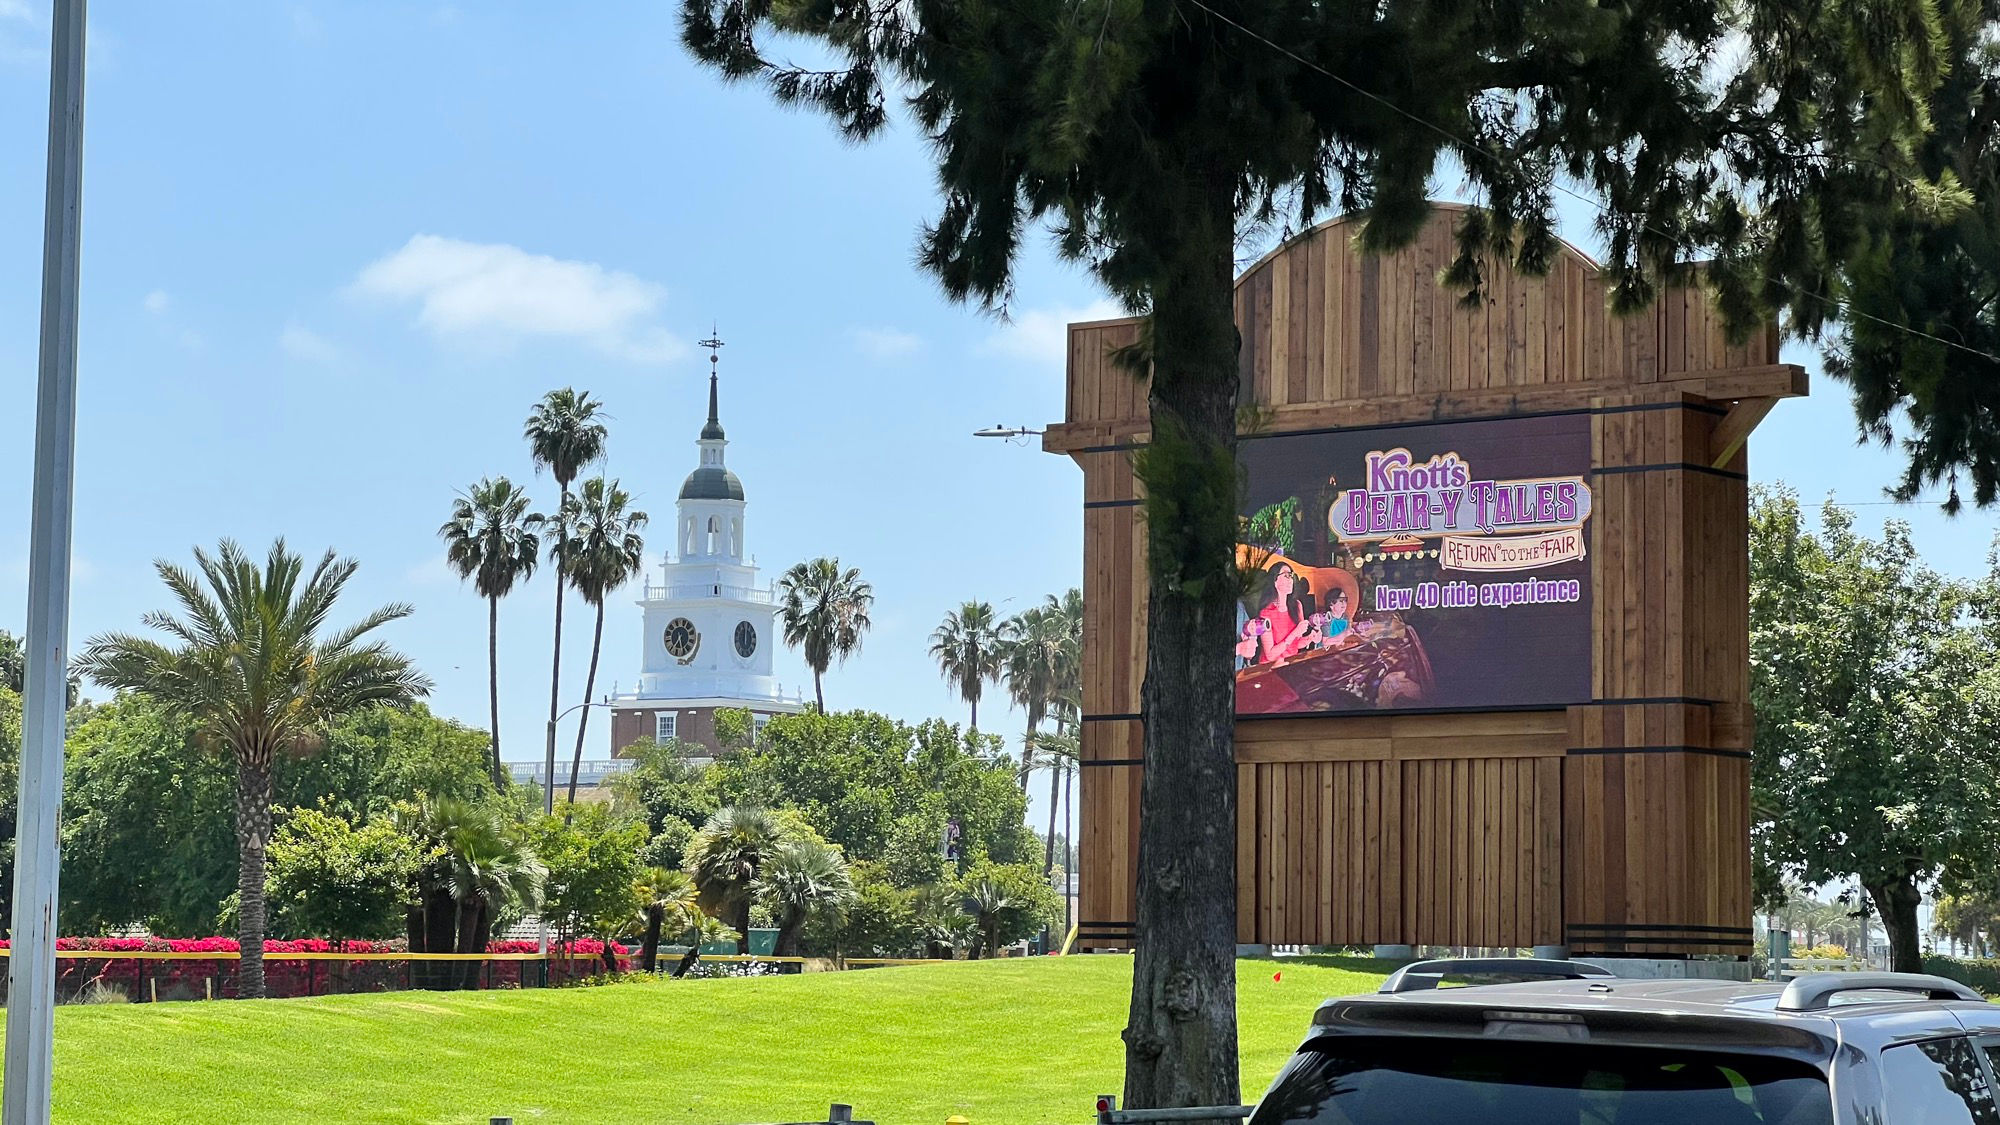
<point x="649" y="950"/>
<point x="1028" y="750"/>
<point x="555" y="669"/>
<point x="253" y="833"/>
<point x="1180" y="1042"/>
<point x="1069" y="844"/>
<point x="583" y="720"/>
<point x="819" y="696"/>
<point x="1055" y="791"/>
<point x="493" y="688"/>
<point x="974" y="700"/>
<point x="742" y="921"/>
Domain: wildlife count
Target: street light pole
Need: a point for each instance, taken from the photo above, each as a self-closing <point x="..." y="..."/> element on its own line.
<point x="31" y="971"/>
<point x="548" y="809"/>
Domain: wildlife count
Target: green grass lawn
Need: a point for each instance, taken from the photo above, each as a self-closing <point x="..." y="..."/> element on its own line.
<point x="1018" y="1042"/>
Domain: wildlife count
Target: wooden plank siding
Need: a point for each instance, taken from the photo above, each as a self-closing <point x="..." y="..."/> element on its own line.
<point x="1620" y="826"/>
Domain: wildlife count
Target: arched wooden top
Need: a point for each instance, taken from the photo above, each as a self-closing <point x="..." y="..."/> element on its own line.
<point x="1335" y="336"/>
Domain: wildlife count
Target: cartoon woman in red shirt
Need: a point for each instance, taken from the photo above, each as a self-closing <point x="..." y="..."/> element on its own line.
<point x="1287" y="625"/>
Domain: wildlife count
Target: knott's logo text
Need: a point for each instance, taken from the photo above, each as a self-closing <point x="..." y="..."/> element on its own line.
<point x="1441" y="497"/>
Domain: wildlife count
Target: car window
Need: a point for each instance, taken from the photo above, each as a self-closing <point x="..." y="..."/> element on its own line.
<point x="1937" y="1082"/>
<point x="1435" y="1081"/>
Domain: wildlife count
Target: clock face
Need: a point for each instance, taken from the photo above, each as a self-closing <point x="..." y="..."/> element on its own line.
<point x="746" y="639"/>
<point x="681" y="639"/>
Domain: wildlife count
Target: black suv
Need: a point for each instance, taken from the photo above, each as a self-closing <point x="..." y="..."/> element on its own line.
<point x="1569" y="1044"/>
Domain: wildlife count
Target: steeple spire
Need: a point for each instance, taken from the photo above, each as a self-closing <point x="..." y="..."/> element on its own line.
<point x="712" y="431"/>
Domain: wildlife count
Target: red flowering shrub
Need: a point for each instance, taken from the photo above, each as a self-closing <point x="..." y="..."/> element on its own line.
<point x="212" y="972"/>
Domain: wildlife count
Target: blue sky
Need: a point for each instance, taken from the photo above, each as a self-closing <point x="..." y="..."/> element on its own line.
<point x="332" y="254"/>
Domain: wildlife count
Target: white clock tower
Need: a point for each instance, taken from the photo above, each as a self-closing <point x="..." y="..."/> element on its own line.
<point x="710" y="628"/>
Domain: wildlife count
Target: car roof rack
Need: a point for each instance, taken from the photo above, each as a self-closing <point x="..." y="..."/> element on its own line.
<point x="1420" y="976"/>
<point x="1814" y="992"/>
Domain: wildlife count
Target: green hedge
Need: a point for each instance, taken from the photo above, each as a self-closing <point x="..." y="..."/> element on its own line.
<point x="1981" y="973"/>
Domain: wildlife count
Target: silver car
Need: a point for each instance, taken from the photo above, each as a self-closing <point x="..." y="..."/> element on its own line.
<point x="1569" y="1044"/>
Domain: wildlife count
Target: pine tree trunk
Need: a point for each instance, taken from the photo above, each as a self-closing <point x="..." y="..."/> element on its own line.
<point x="1897" y="899"/>
<point x="1180" y="1043"/>
<point x="493" y="688"/>
<point x="583" y="718"/>
<point x="253" y="833"/>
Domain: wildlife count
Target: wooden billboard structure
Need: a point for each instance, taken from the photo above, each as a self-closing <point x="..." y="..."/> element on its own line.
<point x="1616" y="825"/>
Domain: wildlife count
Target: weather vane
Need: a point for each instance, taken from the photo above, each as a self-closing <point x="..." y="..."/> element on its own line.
<point x="714" y="346"/>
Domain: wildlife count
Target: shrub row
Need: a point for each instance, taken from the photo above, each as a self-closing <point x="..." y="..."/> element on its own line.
<point x="1981" y="973"/>
<point x="142" y="979"/>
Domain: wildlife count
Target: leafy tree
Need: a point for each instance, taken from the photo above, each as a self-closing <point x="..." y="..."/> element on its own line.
<point x="801" y="881"/>
<point x="10" y="783"/>
<point x="735" y="728"/>
<point x="825" y="611"/>
<point x="673" y="795"/>
<point x="493" y="539"/>
<point x="727" y="855"/>
<point x="251" y="669"/>
<point x="328" y="878"/>
<point x="1971" y="918"/>
<point x="1148" y="133"/>
<point x="666" y="902"/>
<point x="477" y="870"/>
<point x="592" y="860"/>
<point x="565" y="432"/>
<point x="1878" y="737"/>
<point x="1006" y="903"/>
<point x="865" y="782"/>
<point x="377" y="757"/>
<point x="879" y="921"/>
<point x="969" y="652"/>
<point x="600" y="550"/>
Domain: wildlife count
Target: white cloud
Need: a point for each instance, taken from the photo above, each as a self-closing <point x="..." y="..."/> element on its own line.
<point x="885" y="343"/>
<point x="303" y="343"/>
<point x="494" y="292"/>
<point x="157" y="301"/>
<point x="1042" y="335"/>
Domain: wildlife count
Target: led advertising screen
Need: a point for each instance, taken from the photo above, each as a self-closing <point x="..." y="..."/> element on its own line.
<point x="1434" y="566"/>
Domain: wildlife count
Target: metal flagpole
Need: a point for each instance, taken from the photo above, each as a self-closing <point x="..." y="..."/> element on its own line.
<point x="31" y="971"/>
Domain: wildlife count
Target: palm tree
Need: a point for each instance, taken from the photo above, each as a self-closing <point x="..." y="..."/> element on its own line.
<point x="1035" y="655"/>
<point x="803" y="881"/>
<point x="725" y="859"/>
<point x="565" y="432"/>
<point x="479" y="868"/>
<point x="825" y="610"/>
<point x="248" y="663"/>
<point x="493" y="539"/>
<point x="1060" y="753"/>
<point x="665" y="896"/>
<point x="985" y="901"/>
<point x="601" y="551"/>
<point x="967" y="649"/>
<point x="940" y="918"/>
